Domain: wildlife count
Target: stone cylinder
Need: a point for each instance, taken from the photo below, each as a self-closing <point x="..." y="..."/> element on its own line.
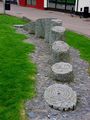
<point x="30" y="27"/>
<point x="50" y="22"/>
<point x="57" y="33"/>
<point x="60" y="97"/>
<point x="60" y="52"/>
<point x="62" y="72"/>
<point x="56" y="22"/>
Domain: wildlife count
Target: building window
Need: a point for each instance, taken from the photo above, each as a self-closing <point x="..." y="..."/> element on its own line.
<point x="13" y="1"/>
<point x="61" y="4"/>
<point x="31" y="2"/>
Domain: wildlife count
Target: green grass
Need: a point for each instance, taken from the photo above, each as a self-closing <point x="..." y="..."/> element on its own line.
<point x="17" y="71"/>
<point x="80" y="42"/>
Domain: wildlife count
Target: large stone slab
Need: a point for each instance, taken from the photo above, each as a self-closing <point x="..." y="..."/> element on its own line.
<point x="62" y="71"/>
<point x="60" y="52"/>
<point x="61" y="97"/>
<point x="57" y="33"/>
<point x="30" y="27"/>
<point x="40" y="28"/>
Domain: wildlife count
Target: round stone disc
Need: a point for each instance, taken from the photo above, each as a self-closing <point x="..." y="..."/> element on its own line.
<point x="56" y="20"/>
<point x="61" y="97"/>
<point x="60" y="46"/>
<point x="58" y="29"/>
<point x="62" y="68"/>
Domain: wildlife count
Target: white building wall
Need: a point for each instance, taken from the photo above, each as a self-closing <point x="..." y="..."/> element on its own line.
<point x="82" y="4"/>
<point x="45" y="3"/>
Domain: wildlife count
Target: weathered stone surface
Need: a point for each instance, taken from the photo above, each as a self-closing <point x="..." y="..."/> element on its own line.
<point x="60" y="97"/>
<point x="30" y="27"/>
<point x="60" y="52"/>
<point x="40" y="28"/>
<point x="86" y="116"/>
<point x="50" y="22"/>
<point x="47" y="28"/>
<point x="62" y="71"/>
<point x="32" y="115"/>
<point x="43" y="27"/>
<point x="57" y="33"/>
<point x="26" y="27"/>
<point x="56" y="22"/>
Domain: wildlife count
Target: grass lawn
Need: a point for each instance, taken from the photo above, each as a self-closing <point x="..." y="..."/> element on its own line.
<point x="80" y="42"/>
<point x="17" y="72"/>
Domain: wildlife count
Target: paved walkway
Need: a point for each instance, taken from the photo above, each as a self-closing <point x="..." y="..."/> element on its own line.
<point x="73" y="23"/>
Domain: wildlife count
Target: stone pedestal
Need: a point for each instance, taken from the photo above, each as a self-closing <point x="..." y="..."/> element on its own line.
<point x="60" y="52"/>
<point x="61" y="97"/>
<point x="57" y="33"/>
<point x="62" y="72"/>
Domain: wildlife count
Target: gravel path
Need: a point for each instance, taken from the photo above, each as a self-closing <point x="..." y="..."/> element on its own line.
<point x="37" y="109"/>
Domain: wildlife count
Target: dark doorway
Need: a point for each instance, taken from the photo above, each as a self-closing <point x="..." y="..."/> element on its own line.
<point x="65" y="5"/>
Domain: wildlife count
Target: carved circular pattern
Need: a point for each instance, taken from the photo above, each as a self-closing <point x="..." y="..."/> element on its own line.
<point x="62" y="68"/>
<point x="60" y="46"/>
<point x="61" y="97"/>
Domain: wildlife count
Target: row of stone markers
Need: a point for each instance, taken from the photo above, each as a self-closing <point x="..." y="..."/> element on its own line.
<point x="58" y="96"/>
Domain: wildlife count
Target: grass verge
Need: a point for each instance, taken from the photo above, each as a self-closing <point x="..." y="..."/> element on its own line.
<point x="80" y="42"/>
<point x="17" y="72"/>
